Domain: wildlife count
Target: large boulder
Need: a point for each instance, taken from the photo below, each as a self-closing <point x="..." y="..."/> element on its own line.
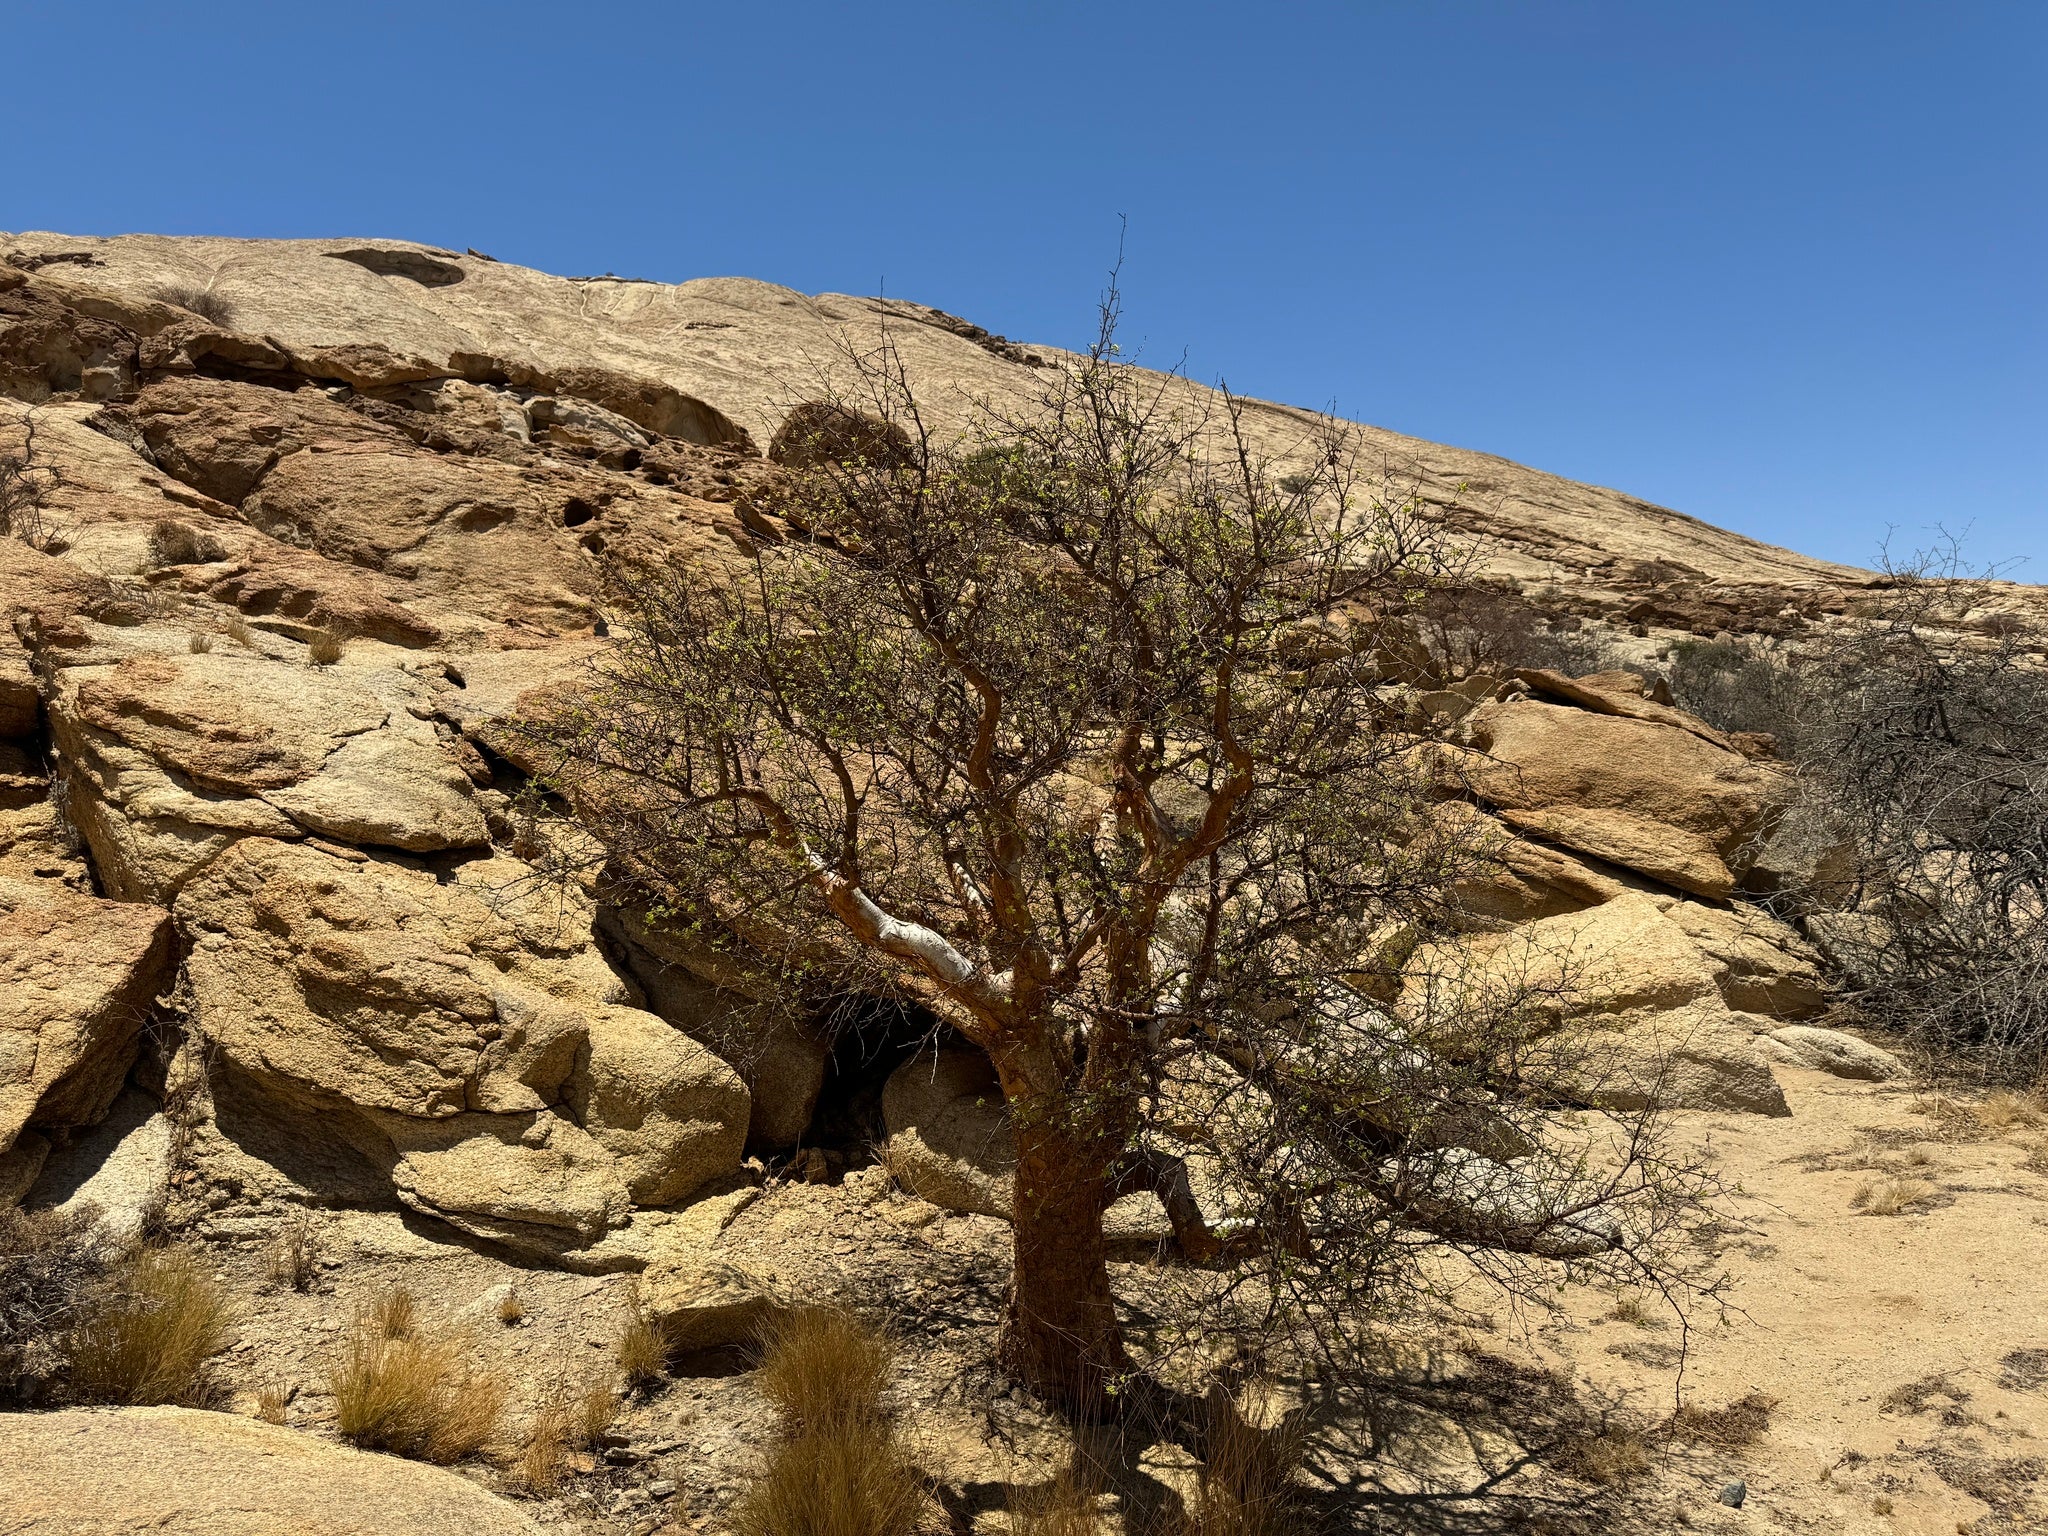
<point x="1760" y="962"/>
<point x="950" y="1143"/>
<point x="1634" y="1004"/>
<point x="185" y="1472"/>
<point x="1832" y="1050"/>
<point x="172" y="755"/>
<point x="701" y="1302"/>
<point x="77" y="977"/>
<point x="1647" y="795"/>
<point x="1696" y="1057"/>
<point x="949" y="1134"/>
<point x="464" y="1032"/>
<point x="777" y="1054"/>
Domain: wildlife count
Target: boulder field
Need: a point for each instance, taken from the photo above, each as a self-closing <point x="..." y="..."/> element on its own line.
<point x="294" y="528"/>
<point x="297" y="550"/>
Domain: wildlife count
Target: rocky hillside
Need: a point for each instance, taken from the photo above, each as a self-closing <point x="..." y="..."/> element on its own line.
<point x="294" y="524"/>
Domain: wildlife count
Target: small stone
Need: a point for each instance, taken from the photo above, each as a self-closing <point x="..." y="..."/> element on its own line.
<point x="1732" y="1494"/>
<point x="662" y="1488"/>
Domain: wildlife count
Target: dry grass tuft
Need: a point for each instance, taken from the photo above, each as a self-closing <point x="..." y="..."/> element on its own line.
<point x="1634" y="1311"/>
<point x="854" y="1480"/>
<point x="199" y="642"/>
<point x="146" y="1338"/>
<point x="238" y="630"/>
<point x="2002" y="1111"/>
<point x="640" y="1350"/>
<point x="839" y="1467"/>
<point x="822" y="1367"/>
<point x="593" y="1416"/>
<point x="1250" y="1484"/>
<point x="414" y="1396"/>
<point x="271" y="1403"/>
<point x="1891" y="1196"/>
<point x="1730" y="1427"/>
<point x="293" y="1259"/>
<point x="510" y="1308"/>
<point x="393" y="1315"/>
<point x="543" y="1459"/>
<point x="1064" y="1507"/>
<point x="561" y="1425"/>
<point x="324" y="650"/>
<point x="1618" y="1454"/>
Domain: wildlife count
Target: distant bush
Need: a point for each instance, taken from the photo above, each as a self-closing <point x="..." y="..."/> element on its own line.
<point x="199" y="299"/>
<point x="51" y="1262"/>
<point x="1741" y="685"/>
<point x="1926" y="753"/>
<point x="24" y="488"/>
<point x="324" y="650"/>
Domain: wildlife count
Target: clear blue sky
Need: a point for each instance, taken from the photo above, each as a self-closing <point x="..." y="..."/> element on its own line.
<point x="1781" y="265"/>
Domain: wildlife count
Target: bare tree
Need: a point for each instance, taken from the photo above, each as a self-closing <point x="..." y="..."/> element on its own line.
<point x="1067" y="728"/>
<point x="24" y="487"/>
<point x="1926" y="754"/>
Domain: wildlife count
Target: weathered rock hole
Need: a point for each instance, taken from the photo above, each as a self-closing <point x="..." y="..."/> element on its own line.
<point x="416" y="266"/>
<point x="577" y="512"/>
<point x="871" y="1037"/>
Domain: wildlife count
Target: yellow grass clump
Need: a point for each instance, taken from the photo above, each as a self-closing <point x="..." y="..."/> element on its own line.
<point x="838" y="1467"/>
<point x="146" y="1338"/>
<point x="398" y="1389"/>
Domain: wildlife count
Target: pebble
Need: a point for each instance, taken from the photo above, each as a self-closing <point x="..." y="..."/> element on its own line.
<point x="1732" y="1494"/>
<point x="662" y="1488"/>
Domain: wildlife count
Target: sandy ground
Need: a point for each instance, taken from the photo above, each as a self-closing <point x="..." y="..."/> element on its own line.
<point x="1905" y="1354"/>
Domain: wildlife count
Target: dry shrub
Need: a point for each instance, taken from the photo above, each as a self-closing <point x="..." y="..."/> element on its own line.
<point x="174" y="543"/>
<point x="50" y="1263"/>
<point x="293" y="1258"/>
<point x="1618" y="1454"/>
<point x="414" y="1396"/>
<point x="1731" y="1427"/>
<point x="238" y="630"/>
<point x="271" y="1403"/>
<point x="839" y="1467"/>
<point x="1891" y="1196"/>
<point x="199" y="642"/>
<point x="146" y="1337"/>
<point x="200" y="300"/>
<point x="640" y="1350"/>
<point x="510" y="1308"/>
<point x="822" y="1367"/>
<point x="324" y="650"/>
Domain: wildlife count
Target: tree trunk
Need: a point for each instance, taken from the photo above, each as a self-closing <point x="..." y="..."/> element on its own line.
<point x="1061" y="1335"/>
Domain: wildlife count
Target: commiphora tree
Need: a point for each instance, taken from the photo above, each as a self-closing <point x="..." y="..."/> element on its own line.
<point x="1066" y="727"/>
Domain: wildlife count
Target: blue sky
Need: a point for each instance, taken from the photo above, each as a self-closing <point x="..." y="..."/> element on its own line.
<point x="1783" y="266"/>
